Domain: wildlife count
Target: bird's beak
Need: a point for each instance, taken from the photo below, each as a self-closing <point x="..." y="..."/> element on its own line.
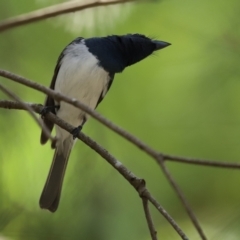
<point x="160" y="44"/>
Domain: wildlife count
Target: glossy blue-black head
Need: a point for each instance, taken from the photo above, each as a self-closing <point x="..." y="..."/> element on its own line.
<point x="117" y="52"/>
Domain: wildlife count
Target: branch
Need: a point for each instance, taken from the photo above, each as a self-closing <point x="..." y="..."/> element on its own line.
<point x="60" y="97"/>
<point x="158" y="156"/>
<point x="152" y="230"/>
<point x="184" y="201"/>
<point x="202" y="162"/>
<point x="53" y="11"/>
<point x="144" y="147"/>
<point x="137" y="183"/>
<point x="28" y="108"/>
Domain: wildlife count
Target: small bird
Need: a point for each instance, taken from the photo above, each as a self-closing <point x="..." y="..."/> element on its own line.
<point x="85" y="71"/>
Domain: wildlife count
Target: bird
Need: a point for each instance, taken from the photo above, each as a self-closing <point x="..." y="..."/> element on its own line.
<point x="85" y="71"/>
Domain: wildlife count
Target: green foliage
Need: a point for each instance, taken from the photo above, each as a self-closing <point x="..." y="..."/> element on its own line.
<point x="183" y="100"/>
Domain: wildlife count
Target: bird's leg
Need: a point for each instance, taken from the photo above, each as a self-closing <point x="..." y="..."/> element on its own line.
<point x="48" y="109"/>
<point x="78" y="129"/>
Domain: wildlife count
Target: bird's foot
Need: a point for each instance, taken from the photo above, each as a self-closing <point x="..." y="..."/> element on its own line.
<point x="54" y="143"/>
<point x="76" y="131"/>
<point x="48" y="109"/>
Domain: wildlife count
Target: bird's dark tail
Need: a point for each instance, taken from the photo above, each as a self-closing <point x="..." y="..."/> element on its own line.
<point x="52" y="190"/>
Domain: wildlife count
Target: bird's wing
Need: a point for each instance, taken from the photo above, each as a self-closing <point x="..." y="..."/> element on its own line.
<point x="50" y="101"/>
<point x="105" y="90"/>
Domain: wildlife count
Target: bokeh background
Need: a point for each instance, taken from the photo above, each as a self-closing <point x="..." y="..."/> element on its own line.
<point x="183" y="100"/>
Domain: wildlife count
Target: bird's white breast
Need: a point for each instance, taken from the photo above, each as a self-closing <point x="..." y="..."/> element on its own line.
<point x="79" y="77"/>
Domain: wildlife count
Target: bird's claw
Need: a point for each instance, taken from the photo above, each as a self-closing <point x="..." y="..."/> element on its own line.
<point x="48" y="109"/>
<point x="76" y="131"/>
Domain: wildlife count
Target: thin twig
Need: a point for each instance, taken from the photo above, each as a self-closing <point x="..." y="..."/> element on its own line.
<point x="53" y="11"/>
<point x="151" y="227"/>
<point x="202" y="162"/>
<point x="60" y="97"/>
<point x="181" y="197"/>
<point x="160" y="209"/>
<point x="155" y="154"/>
<point x="28" y="108"/>
<point x="137" y="183"/>
<point x="172" y="158"/>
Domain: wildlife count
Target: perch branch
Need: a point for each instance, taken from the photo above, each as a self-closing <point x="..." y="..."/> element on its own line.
<point x="137" y="183"/>
<point x="159" y="157"/>
<point x="53" y="11"/>
<point x="153" y="153"/>
<point x="28" y="108"/>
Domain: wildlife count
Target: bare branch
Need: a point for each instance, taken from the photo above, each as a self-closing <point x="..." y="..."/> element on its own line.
<point x="159" y="157"/>
<point x="28" y="108"/>
<point x="160" y="209"/>
<point x="53" y="11"/>
<point x="152" y="230"/>
<point x="172" y="158"/>
<point x="60" y="97"/>
<point x="202" y="162"/>
<point x="182" y="198"/>
<point x="137" y="183"/>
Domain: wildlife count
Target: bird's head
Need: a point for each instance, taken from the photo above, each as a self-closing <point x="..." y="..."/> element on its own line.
<point x="118" y="52"/>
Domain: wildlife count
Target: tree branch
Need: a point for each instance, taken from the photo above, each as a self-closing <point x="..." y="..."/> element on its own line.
<point x="202" y="162"/>
<point x="152" y="230"/>
<point x="184" y="201"/>
<point x="28" y="108"/>
<point x="53" y="11"/>
<point x="159" y="157"/>
<point x="144" y="147"/>
<point x="137" y="183"/>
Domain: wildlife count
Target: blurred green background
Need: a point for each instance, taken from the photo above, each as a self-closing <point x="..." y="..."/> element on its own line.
<point x="183" y="100"/>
